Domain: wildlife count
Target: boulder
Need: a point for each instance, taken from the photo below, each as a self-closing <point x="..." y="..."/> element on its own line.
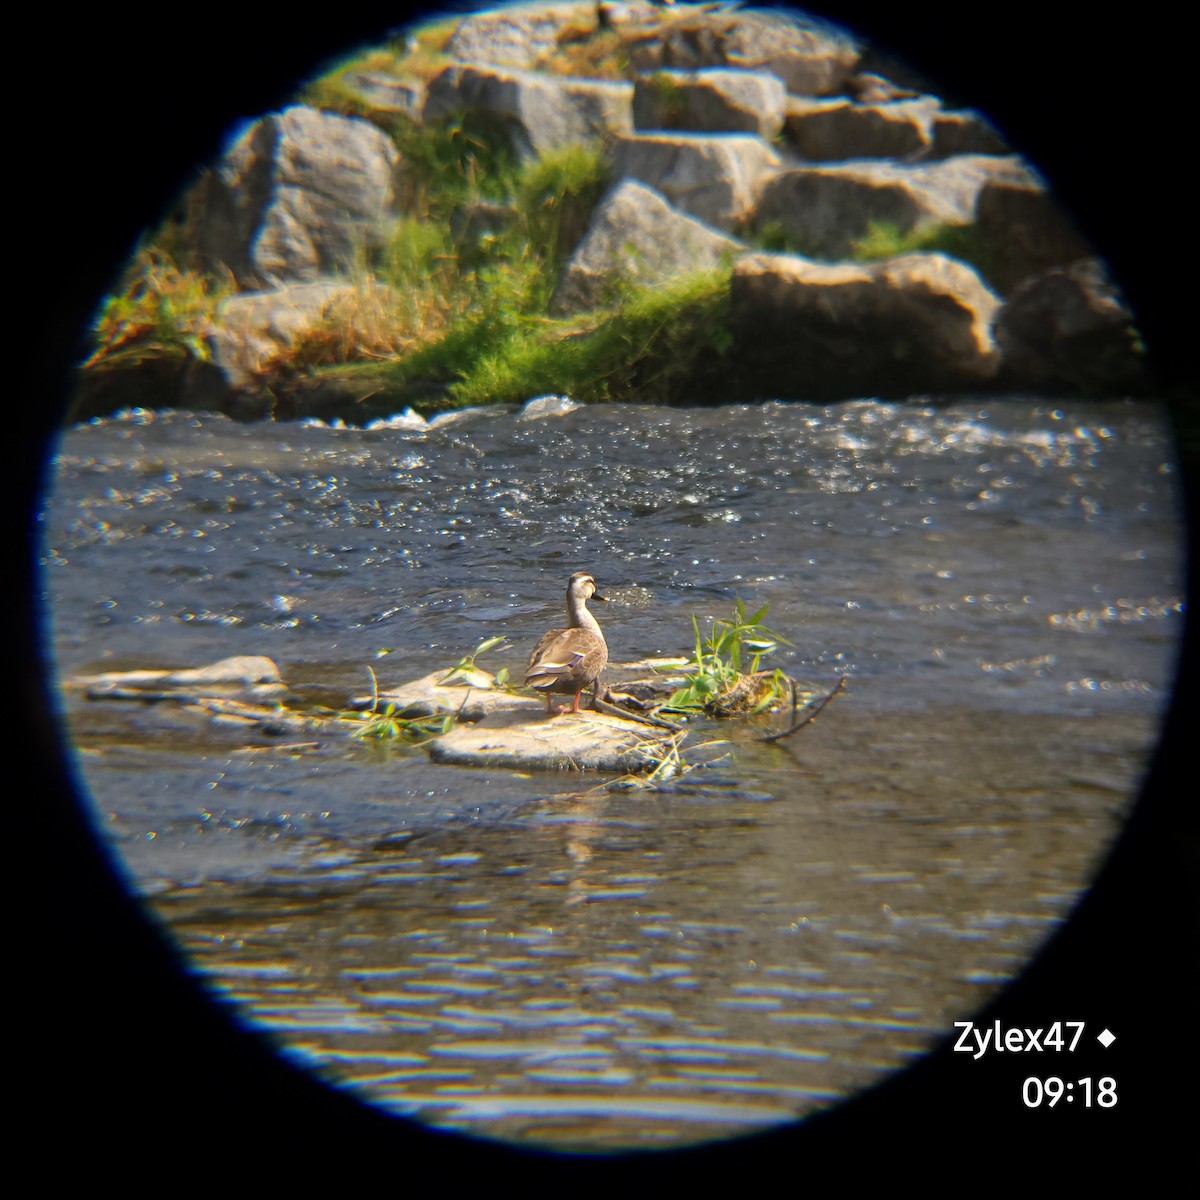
<point x="712" y="177"/>
<point x="1025" y="230"/>
<point x="636" y="237"/>
<point x="964" y="131"/>
<point x="296" y="196"/>
<point x="539" y="112"/>
<point x="835" y="130"/>
<point x="519" y="36"/>
<point x="388" y="94"/>
<point x="253" y="329"/>
<point x="809" y="330"/>
<point x="825" y="210"/>
<point x="713" y="100"/>
<point x="1069" y="329"/>
<point x="809" y="57"/>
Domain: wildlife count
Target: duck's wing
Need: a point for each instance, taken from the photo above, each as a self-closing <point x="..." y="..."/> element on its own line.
<point x="562" y="655"/>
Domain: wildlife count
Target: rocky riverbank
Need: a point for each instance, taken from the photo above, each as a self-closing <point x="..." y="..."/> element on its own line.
<point x="865" y="239"/>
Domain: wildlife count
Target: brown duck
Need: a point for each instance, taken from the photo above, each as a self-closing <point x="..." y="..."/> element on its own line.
<point x="569" y="660"/>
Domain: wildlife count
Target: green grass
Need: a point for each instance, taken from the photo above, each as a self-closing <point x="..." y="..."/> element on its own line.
<point x="885" y="240"/>
<point x="654" y="346"/>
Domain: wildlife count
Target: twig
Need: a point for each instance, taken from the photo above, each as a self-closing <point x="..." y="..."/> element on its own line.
<point x="813" y="708"/>
<point x="624" y="714"/>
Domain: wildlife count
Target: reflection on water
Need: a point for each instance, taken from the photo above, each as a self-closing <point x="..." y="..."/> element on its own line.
<point x="547" y="960"/>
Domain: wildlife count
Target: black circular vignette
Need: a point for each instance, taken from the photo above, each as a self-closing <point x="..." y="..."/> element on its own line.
<point x="132" y="1060"/>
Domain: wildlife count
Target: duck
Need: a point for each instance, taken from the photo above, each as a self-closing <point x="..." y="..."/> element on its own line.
<point x="573" y="659"/>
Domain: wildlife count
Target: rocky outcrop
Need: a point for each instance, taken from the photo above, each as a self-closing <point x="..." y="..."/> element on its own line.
<point x="729" y="127"/>
<point x="299" y="194"/>
<point x="540" y="112"/>
<point x="827" y="209"/>
<point x="878" y="329"/>
<point x="712" y="178"/>
<point x="636" y="237"/>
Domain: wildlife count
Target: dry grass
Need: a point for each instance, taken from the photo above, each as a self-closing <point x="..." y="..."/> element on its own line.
<point x="159" y="309"/>
<point x="370" y="323"/>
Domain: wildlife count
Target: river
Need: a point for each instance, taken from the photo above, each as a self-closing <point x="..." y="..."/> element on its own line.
<point x="540" y="958"/>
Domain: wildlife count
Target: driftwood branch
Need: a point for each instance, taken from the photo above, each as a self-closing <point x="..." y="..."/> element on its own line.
<point x="811" y="711"/>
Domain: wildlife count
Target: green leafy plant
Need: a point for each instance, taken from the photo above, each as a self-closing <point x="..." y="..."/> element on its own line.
<point x="883" y="239"/>
<point x="388" y="726"/>
<point x="719" y="685"/>
<point x="467" y="665"/>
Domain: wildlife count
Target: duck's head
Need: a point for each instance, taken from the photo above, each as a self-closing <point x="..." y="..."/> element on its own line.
<point x="583" y="587"/>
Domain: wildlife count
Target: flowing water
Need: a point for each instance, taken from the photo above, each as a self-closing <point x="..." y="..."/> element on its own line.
<point x="542" y="958"/>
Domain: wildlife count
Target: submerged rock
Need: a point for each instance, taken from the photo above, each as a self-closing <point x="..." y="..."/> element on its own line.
<point x="242" y="672"/>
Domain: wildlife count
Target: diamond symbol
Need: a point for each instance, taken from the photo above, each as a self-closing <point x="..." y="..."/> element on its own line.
<point x="1106" y="1039"/>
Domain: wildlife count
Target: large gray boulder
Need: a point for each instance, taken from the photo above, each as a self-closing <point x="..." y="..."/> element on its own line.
<point x="810" y="330"/>
<point x="713" y="100"/>
<point x="1069" y="329"/>
<point x="714" y="178"/>
<point x="825" y="210"/>
<point x="540" y="112"/>
<point x="297" y="195"/>
<point x="636" y="237"/>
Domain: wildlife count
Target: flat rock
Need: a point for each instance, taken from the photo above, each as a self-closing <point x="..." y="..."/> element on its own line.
<point x="530" y="740"/>
<point x="496" y="728"/>
<point x="472" y="695"/>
